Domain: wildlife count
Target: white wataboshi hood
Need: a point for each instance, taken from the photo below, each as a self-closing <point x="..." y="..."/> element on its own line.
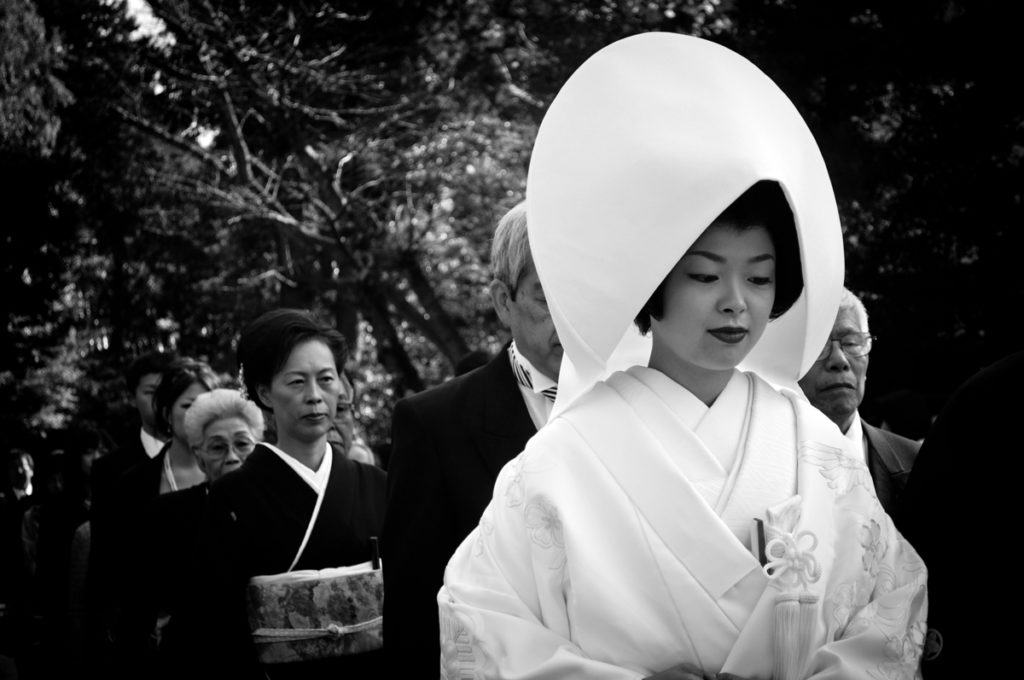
<point x="642" y="148"/>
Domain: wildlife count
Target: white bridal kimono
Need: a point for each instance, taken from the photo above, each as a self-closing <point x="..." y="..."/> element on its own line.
<point x="612" y="549"/>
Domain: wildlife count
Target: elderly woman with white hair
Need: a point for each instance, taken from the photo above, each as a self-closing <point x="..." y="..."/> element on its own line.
<point x="685" y="513"/>
<point x="222" y="428"/>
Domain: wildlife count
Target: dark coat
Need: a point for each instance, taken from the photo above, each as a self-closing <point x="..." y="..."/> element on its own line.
<point x="104" y="516"/>
<point x="118" y="522"/>
<point x="107" y="470"/>
<point x="160" y="573"/>
<point x="890" y="458"/>
<point x="448" y="445"/>
<point x="961" y="503"/>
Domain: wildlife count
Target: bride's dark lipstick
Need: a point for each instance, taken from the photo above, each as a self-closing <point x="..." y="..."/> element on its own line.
<point x="729" y="334"/>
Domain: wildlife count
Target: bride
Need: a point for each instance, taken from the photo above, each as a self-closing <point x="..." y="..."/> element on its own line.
<point x="693" y="514"/>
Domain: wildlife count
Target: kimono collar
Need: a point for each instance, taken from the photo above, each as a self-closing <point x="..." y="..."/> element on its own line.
<point x="642" y="148"/>
<point x="715" y="425"/>
<point x="316" y="480"/>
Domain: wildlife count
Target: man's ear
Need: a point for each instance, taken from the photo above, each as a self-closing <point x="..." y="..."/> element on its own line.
<point x="501" y="298"/>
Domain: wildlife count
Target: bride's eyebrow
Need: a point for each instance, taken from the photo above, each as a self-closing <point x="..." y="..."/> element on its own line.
<point x="714" y="257"/>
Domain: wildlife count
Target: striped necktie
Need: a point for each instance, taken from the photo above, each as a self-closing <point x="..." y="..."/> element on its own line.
<point x="523" y="376"/>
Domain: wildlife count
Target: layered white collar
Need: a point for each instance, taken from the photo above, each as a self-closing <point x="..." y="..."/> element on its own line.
<point x="317" y="480"/>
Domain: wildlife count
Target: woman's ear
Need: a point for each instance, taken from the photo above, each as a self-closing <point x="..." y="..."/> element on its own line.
<point x="262" y="391"/>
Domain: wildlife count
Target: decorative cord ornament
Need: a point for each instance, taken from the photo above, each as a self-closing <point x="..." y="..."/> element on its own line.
<point x="791" y="564"/>
<point x="331" y="630"/>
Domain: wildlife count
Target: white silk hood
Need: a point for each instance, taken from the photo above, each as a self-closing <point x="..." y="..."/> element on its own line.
<point x="642" y="148"/>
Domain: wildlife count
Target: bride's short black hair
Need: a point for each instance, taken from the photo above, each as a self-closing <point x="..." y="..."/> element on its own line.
<point x="762" y="205"/>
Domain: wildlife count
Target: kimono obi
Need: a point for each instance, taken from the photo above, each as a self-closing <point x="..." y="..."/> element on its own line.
<point x="316" y="614"/>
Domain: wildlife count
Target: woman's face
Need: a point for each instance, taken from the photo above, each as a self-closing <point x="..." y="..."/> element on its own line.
<point x="717" y="302"/>
<point x="304" y="394"/>
<point x="181" y="404"/>
<point x="227" y="442"/>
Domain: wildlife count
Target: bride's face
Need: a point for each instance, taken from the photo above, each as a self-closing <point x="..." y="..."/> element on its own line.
<point x="717" y="300"/>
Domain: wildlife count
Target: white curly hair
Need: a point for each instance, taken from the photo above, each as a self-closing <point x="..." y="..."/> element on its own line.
<point x="218" y="404"/>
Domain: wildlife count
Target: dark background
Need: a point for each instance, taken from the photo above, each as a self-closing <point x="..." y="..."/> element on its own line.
<point x="164" y="185"/>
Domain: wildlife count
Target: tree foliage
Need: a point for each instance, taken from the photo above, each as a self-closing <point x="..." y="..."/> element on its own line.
<point x="353" y="158"/>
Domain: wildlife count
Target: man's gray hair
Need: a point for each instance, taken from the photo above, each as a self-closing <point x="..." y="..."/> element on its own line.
<point x="216" y="405"/>
<point x="851" y="301"/>
<point x="510" y="248"/>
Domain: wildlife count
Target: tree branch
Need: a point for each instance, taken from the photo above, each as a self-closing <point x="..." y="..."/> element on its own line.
<point x="169" y="138"/>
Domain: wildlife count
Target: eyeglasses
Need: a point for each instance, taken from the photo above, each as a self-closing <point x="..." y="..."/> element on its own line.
<point x="219" y="448"/>
<point x="852" y="344"/>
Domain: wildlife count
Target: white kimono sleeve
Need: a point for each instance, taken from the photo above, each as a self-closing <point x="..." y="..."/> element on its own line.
<point x="503" y="607"/>
<point x="875" y="614"/>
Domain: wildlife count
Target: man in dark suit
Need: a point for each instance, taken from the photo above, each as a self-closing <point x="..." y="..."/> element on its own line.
<point x="835" y="385"/>
<point x="142" y="378"/>
<point x="448" y="445"/>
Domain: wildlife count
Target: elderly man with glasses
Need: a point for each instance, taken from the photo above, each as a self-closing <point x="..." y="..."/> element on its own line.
<point x="835" y="385"/>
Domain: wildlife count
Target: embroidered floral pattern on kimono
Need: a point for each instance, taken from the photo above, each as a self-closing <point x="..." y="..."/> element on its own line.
<point x="545" y="529"/>
<point x="461" y="656"/>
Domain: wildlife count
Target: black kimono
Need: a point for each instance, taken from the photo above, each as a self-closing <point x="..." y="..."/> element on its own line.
<point x="257" y="517"/>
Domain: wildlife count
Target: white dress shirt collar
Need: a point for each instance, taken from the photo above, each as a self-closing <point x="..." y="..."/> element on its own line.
<point x="150" y="444"/>
<point x="537" y="404"/>
<point x="858" y="438"/>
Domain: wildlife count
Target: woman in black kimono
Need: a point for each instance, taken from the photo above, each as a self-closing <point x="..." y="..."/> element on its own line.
<point x="296" y="505"/>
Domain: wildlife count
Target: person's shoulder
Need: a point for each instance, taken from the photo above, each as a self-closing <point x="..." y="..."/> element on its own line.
<point x="178" y="507"/>
<point x="230" y="484"/>
<point x="185" y="497"/>
<point x="132" y="478"/>
<point x="896" y="440"/>
<point x="460" y="389"/>
<point x="363" y="471"/>
<point x="119" y="460"/>
<point x="995" y="383"/>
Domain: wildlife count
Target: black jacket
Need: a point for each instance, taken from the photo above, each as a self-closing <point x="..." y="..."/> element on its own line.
<point x="890" y="458"/>
<point x="448" y="445"/>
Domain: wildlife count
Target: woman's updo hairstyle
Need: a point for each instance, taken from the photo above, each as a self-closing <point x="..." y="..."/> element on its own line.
<point x="177" y="377"/>
<point x="267" y="342"/>
<point x="762" y="205"/>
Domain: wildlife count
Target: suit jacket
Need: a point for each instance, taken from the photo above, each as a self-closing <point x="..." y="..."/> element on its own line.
<point x="158" y="574"/>
<point x="448" y="445"/>
<point x="962" y="498"/>
<point x="890" y="458"/>
<point x="123" y="483"/>
<point x="106" y="472"/>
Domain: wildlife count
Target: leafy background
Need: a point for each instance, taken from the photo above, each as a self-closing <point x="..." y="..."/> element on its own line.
<point x="172" y="171"/>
